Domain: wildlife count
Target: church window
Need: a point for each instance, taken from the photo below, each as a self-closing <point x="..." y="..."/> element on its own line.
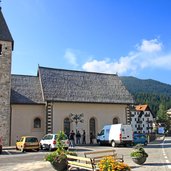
<point x="0" y="49"/>
<point x="92" y="124"/>
<point x="67" y="126"/>
<point x="37" y="123"/>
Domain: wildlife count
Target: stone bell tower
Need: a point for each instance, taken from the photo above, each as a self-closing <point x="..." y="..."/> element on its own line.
<point x="6" y="47"/>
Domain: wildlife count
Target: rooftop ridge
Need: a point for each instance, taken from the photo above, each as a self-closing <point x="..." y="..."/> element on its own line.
<point x="78" y="71"/>
<point x="22" y="75"/>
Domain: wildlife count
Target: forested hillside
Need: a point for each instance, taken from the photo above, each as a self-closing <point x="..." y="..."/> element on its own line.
<point x="149" y="91"/>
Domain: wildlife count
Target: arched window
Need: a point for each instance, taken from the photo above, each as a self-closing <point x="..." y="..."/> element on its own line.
<point x="93" y="126"/>
<point x="67" y="126"/>
<point x="37" y="123"/>
<point x="115" y="121"/>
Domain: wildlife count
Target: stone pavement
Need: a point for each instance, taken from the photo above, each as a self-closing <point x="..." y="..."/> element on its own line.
<point x="46" y="166"/>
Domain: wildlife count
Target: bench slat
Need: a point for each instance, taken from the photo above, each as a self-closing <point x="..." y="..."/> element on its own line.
<point x="78" y="158"/>
<point x="102" y="156"/>
<point x="104" y="153"/>
<point x="99" y="151"/>
<point x="74" y="163"/>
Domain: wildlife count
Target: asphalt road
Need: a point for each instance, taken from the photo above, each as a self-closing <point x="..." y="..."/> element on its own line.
<point x="159" y="158"/>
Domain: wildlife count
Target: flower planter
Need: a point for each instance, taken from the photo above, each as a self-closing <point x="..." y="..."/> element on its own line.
<point x="60" y="165"/>
<point x="140" y="160"/>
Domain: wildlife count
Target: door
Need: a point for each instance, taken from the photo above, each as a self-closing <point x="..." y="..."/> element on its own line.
<point x="127" y="133"/>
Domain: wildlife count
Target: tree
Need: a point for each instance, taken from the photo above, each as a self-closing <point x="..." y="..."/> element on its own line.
<point x="162" y="116"/>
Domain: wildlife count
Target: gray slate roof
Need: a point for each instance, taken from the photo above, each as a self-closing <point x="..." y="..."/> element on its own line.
<point x="5" y="34"/>
<point x="25" y="90"/>
<point x="77" y="86"/>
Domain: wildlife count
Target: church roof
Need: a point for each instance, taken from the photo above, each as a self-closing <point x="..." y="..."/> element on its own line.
<point x="5" y="34"/>
<point x="25" y="90"/>
<point x="78" y="86"/>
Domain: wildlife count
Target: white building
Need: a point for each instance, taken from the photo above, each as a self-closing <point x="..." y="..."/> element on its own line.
<point x="142" y="119"/>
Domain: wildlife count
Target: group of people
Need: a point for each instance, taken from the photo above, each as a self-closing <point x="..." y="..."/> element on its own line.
<point x="78" y="136"/>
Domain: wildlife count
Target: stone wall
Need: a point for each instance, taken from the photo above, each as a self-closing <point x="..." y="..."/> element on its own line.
<point x="5" y="88"/>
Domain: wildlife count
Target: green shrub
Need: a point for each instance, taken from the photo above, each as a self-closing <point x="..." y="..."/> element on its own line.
<point x="138" y="151"/>
<point x="61" y="152"/>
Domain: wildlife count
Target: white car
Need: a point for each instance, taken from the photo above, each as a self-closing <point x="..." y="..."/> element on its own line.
<point x="49" y="142"/>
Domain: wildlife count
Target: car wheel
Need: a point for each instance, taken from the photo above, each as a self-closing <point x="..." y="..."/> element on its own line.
<point x="113" y="144"/>
<point x="100" y="143"/>
<point x="41" y="147"/>
<point x="50" y="148"/>
<point x="66" y="148"/>
<point x="37" y="149"/>
<point x="145" y="143"/>
<point x="22" y="150"/>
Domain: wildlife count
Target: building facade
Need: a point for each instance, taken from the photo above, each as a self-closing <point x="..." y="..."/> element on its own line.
<point x="44" y="103"/>
<point x="142" y="119"/>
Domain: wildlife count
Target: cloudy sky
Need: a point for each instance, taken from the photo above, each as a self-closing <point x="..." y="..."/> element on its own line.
<point x="127" y="37"/>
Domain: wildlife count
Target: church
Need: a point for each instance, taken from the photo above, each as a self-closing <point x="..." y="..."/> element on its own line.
<point x="56" y="99"/>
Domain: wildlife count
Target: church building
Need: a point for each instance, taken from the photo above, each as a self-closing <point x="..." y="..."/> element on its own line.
<point x="56" y="99"/>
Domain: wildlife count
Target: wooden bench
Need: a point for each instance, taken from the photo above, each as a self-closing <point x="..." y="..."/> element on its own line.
<point x="96" y="156"/>
<point x="80" y="163"/>
<point x="91" y="159"/>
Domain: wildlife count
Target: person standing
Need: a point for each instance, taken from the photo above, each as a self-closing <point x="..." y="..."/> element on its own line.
<point x="84" y="137"/>
<point x="91" y="138"/>
<point x="78" y="137"/>
<point x="72" y="139"/>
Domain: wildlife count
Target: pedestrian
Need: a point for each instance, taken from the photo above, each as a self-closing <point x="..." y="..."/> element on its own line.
<point x="72" y="139"/>
<point x="78" y="137"/>
<point x="91" y="138"/>
<point x="84" y="137"/>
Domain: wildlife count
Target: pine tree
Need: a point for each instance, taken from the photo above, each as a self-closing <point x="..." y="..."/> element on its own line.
<point x="162" y="116"/>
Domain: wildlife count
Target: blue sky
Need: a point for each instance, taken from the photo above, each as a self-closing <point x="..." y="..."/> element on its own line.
<point x="128" y="37"/>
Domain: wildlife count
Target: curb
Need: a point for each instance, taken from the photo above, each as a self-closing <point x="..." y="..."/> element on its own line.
<point x="9" y="148"/>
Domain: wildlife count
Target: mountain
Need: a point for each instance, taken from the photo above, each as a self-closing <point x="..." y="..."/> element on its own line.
<point x="148" y="91"/>
<point x="135" y="85"/>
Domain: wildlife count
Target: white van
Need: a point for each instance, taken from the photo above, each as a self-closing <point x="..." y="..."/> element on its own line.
<point x="116" y="134"/>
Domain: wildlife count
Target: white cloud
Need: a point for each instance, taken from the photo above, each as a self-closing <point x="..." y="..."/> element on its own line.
<point x="147" y="55"/>
<point x="107" y="66"/>
<point x="163" y="62"/>
<point x="71" y="57"/>
<point x="150" y="46"/>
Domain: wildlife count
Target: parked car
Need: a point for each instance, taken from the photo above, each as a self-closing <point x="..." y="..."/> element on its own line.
<point x="49" y="142"/>
<point x="140" y="139"/>
<point x="27" y="143"/>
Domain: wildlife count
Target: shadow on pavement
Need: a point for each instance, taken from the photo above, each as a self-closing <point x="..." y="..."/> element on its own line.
<point x="156" y="164"/>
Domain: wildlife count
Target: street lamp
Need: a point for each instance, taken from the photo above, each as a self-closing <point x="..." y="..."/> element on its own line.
<point x="76" y="118"/>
